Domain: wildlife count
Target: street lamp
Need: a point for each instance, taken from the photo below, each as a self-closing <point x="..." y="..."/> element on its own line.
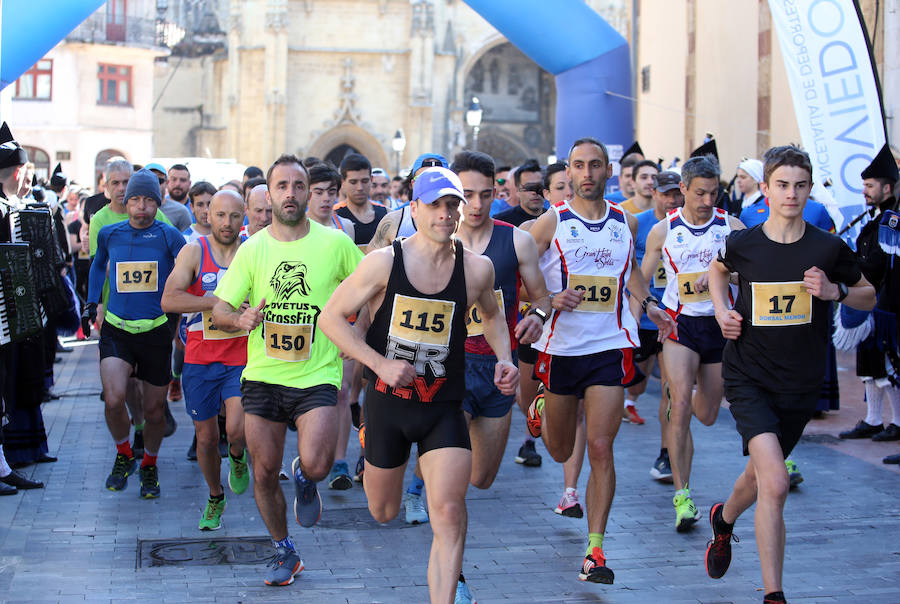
<point x="398" y="144"/>
<point x="473" y="119"/>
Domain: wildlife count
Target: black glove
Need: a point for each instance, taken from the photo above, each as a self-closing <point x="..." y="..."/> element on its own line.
<point x="88" y="316"/>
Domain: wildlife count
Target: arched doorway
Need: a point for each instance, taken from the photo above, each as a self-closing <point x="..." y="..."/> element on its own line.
<point x="518" y="99"/>
<point x="338" y="140"/>
<point x="41" y="161"/>
<point x="100" y="162"/>
<point x="337" y="155"/>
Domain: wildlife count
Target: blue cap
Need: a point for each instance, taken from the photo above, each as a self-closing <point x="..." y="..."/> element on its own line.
<point x="157" y="167"/>
<point x="434" y="183"/>
<point x="144" y="183"/>
<point x="425" y="156"/>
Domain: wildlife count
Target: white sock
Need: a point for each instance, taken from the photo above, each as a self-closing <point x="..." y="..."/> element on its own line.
<point x="629" y="403"/>
<point x="874" y="398"/>
<point x="570" y="491"/>
<point x="894" y="398"/>
<point x="5" y="470"/>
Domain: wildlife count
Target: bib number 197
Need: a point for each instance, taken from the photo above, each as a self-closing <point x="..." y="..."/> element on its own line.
<point x="136" y="277"/>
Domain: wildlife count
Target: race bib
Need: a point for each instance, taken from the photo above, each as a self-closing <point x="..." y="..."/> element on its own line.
<point x="287" y="342"/>
<point x="659" y="276"/>
<point x="780" y="304"/>
<point x="421" y="320"/>
<point x="474" y="325"/>
<point x="211" y="332"/>
<point x="687" y="291"/>
<point x="137" y="277"/>
<point x="599" y="293"/>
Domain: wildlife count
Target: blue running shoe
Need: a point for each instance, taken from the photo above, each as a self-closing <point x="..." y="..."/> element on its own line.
<point x="307" y="503"/>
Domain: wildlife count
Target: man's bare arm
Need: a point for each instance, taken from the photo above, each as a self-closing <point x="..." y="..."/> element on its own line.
<point x="175" y="296"/>
<point x="386" y="231"/>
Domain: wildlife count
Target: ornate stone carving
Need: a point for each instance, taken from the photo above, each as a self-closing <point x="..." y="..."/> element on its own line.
<point x="277" y="15"/>
<point x="422" y="18"/>
<point x="347" y="112"/>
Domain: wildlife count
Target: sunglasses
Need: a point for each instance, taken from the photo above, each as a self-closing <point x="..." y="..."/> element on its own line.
<point x="501" y="181"/>
<point x="431" y="163"/>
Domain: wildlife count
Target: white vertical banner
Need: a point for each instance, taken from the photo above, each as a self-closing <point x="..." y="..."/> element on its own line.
<point x="835" y="92"/>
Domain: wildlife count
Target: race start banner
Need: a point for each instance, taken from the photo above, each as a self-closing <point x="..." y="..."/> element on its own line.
<point x="837" y="97"/>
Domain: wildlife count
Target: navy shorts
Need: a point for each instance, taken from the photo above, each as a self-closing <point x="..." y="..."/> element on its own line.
<point x="702" y="335"/>
<point x="758" y="410"/>
<point x="573" y="375"/>
<point x="284" y="404"/>
<point x="482" y="397"/>
<point x="527" y="354"/>
<point x="650" y="345"/>
<point x="207" y="386"/>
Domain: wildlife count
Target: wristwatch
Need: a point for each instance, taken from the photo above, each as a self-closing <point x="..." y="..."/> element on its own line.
<point x="539" y="313"/>
<point x="843" y="291"/>
<point x="647" y="301"/>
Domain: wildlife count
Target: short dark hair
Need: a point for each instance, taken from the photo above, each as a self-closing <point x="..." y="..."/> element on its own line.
<point x="253" y="182"/>
<point x="181" y="167"/>
<point x="502" y="169"/>
<point x="644" y="163"/>
<point x="630" y="160"/>
<point x="284" y="159"/>
<point x="322" y="172"/>
<point x="786" y="155"/>
<point x="529" y="165"/>
<point x="354" y="162"/>
<point x="397" y="178"/>
<point x="253" y="172"/>
<point x="705" y="166"/>
<point x="589" y="140"/>
<point x="311" y="161"/>
<point x="199" y="188"/>
<point x="552" y="169"/>
<point x="473" y="161"/>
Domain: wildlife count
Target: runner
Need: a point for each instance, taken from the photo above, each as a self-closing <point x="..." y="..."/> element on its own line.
<point x="259" y="211"/>
<point x="135" y="338"/>
<point x="356" y="172"/>
<point x="688" y="240"/>
<point x="416" y="347"/>
<point x="213" y="358"/>
<point x="514" y="256"/>
<point x="287" y="272"/>
<point x="586" y="346"/>
<point x="774" y="362"/>
<point x="200" y="195"/>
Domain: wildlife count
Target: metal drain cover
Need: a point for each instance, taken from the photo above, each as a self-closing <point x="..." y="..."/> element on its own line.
<point x="357" y="519"/>
<point x="204" y="552"/>
<point x="822" y="439"/>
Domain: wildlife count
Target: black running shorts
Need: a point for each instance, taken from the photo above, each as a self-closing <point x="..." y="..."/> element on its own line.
<point x="702" y="335"/>
<point x="284" y="404"/>
<point x="757" y="411"/>
<point x="650" y="345"/>
<point x="149" y="353"/>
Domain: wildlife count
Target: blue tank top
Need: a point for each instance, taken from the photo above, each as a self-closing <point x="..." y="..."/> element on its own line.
<point x="501" y="250"/>
<point x="646" y="221"/>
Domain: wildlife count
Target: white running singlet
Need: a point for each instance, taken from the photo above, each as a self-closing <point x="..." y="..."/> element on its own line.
<point x="593" y="257"/>
<point x="687" y="253"/>
<point x="407" y="227"/>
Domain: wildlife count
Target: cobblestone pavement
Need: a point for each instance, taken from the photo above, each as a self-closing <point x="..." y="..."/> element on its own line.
<point x="76" y="541"/>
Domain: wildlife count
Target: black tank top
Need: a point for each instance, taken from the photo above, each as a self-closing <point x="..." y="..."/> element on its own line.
<point x="363" y="231"/>
<point x="428" y="330"/>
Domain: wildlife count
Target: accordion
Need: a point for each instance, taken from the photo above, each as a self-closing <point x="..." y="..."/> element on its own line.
<point x="21" y="315"/>
<point x="35" y="227"/>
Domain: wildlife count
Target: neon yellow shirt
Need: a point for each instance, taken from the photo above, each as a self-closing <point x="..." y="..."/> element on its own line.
<point x="296" y="279"/>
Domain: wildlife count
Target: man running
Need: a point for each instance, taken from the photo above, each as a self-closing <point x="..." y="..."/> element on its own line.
<point x="586" y="347"/>
<point x="213" y="358"/>
<point x="774" y="363"/>
<point x="418" y="292"/>
<point x="135" y="339"/>
<point x="259" y="210"/>
<point x="200" y="195"/>
<point x="287" y="272"/>
<point x="356" y="172"/>
<point x="688" y="240"/>
<point x="514" y="256"/>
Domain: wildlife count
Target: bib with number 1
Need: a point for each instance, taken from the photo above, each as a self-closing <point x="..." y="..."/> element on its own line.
<point x="474" y="325"/>
<point x="290" y="342"/>
<point x="421" y="320"/>
<point x="780" y="303"/>
<point x="599" y="293"/>
<point x="137" y="277"/>
<point x="211" y="332"/>
<point x="687" y="289"/>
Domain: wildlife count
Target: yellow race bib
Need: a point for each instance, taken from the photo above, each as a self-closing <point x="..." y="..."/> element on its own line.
<point x="421" y="320"/>
<point x="137" y="277"/>
<point x="687" y="291"/>
<point x="211" y="332"/>
<point x="781" y="303"/>
<point x="287" y="342"/>
<point x="474" y="326"/>
<point x="659" y="276"/>
<point x="599" y="293"/>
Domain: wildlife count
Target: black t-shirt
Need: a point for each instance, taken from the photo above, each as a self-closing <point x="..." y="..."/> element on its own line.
<point x="784" y="333"/>
<point x="516" y="216"/>
<point x="94" y="204"/>
<point x="363" y="231"/>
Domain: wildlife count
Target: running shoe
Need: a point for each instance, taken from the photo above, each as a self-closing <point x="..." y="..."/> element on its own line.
<point x="239" y="474"/>
<point x="568" y="506"/>
<point x="123" y="467"/>
<point x="174" y="393"/>
<point x="149" y="482"/>
<point x="171" y="424"/>
<point x="307" y="503"/>
<point x="212" y="515"/>
<point x="192" y="450"/>
<point x="794" y="474"/>
<point x="282" y="474"/>
<point x="463" y="595"/>
<point x="138" y="447"/>
<point x="355" y="415"/>
<point x="631" y="415"/>
<point x="662" y="469"/>
<point x="535" y="411"/>
<point x="594" y="568"/>
<point x="862" y="430"/>
<point x="528" y="455"/>
<point x="360" y="469"/>
<point x="686" y="513"/>
<point x="415" y="509"/>
<point x="339" y="477"/>
<point x="285" y="565"/>
<point x="718" y="550"/>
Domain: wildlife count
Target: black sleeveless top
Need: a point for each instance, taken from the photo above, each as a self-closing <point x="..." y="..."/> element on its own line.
<point x="363" y="231"/>
<point x="428" y="330"/>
